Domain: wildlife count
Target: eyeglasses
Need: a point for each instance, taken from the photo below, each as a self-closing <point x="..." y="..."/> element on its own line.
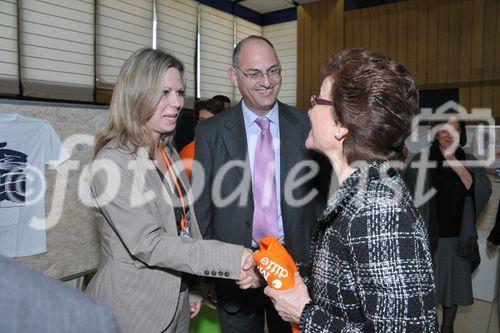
<point x="315" y="100"/>
<point x="254" y="75"/>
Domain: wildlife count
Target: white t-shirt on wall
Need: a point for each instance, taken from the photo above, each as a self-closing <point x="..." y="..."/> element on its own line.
<point x="27" y="145"/>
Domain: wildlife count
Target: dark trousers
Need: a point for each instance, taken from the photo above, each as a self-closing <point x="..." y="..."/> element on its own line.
<point x="249" y="318"/>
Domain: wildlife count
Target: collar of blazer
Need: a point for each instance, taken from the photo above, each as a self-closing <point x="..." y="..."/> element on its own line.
<point x="153" y="180"/>
<point x="291" y="132"/>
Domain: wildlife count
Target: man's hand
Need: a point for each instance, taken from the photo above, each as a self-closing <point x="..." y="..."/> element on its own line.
<point x="249" y="276"/>
<point x="290" y="303"/>
<point x="208" y="293"/>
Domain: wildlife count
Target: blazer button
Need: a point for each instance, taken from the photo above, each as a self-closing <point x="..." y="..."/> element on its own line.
<point x="247" y="223"/>
<point x="226" y="274"/>
<point x="214" y="273"/>
<point x="207" y="272"/>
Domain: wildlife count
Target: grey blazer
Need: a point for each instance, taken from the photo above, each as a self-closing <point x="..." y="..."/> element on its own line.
<point x="33" y="302"/>
<point x="222" y="139"/>
<point x="142" y="256"/>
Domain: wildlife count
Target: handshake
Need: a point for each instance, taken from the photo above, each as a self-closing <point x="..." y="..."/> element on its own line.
<point x="272" y="264"/>
<point x="249" y="275"/>
<point x="249" y="278"/>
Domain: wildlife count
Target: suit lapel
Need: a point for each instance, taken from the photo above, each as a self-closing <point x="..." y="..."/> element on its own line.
<point x="162" y="199"/>
<point x="291" y="139"/>
<point x="235" y="138"/>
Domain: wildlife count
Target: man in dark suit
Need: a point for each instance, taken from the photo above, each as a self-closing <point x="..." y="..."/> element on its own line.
<point x="32" y="302"/>
<point x="256" y="183"/>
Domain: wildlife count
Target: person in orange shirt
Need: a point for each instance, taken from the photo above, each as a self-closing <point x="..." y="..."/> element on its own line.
<point x="203" y="109"/>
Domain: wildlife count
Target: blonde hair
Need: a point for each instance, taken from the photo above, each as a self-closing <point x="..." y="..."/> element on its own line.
<point x="137" y="92"/>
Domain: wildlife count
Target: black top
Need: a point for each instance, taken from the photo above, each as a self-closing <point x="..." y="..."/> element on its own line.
<point x="449" y="200"/>
<point x="494" y="236"/>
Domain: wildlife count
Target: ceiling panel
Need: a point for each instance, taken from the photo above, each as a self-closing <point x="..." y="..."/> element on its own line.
<point x="266" y="6"/>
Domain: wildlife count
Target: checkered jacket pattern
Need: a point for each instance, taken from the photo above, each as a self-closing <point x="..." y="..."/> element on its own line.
<point x="370" y="268"/>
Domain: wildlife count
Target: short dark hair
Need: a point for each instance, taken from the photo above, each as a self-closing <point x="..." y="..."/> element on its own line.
<point x="222" y="98"/>
<point x="211" y="105"/>
<point x="199" y="105"/>
<point x="215" y="106"/>
<point x="376" y="99"/>
<point x="237" y="49"/>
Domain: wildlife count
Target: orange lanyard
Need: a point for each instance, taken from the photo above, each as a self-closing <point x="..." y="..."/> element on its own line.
<point x="177" y="186"/>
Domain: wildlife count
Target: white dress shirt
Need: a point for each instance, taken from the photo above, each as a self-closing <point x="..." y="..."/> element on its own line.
<point x="252" y="133"/>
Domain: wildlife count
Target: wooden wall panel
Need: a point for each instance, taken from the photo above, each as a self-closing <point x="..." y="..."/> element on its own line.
<point x="465" y="39"/>
<point x="432" y="40"/>
<point x="487" y="95"/>
<point x="412" y="37"/>
<point x="496" y="100"/>
<point x="453" y="41"/>
<point x="383" y="26"/>
<point x="475" y="96"/>
<point x="392" y="30"/>
<point x="315" y="47"/>
<point x="421" y="75"/>
<point x="490" y="22"/>
<point x="349" y="30"/>
<point x="442" y="48"/>
<point x="320" y="33"/>
<point x="497" y="44"/>
<point x="307" y="57"/>
<point x="477" y="40"/>
<point x="357" y="29"/>
<point x="327" y="36"/>
<point x="464" y="96"/>
<point x="336" y="24"/>
<point x="443" y="43"/>
<point x="365" y="28"/>
<point x="374" y="29"/>
<point x="402" y="32"/>
<point x="300" y="54"/>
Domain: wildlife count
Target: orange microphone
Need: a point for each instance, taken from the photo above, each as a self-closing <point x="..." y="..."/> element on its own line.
<point x="276" y="266"/>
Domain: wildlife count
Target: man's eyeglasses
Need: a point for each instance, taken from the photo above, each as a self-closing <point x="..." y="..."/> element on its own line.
<point x="315" y="100"/>
<point x="273" y="74"/>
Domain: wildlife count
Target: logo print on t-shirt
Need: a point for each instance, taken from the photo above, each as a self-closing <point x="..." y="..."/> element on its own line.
<point x="12" y="175"/>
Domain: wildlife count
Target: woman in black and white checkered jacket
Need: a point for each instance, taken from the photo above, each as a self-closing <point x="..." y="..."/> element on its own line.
<point x="370" y="268"/>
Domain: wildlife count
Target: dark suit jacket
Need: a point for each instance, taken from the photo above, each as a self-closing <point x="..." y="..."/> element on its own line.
<point x="221" y="139"/>
<point x="32" y="302"/>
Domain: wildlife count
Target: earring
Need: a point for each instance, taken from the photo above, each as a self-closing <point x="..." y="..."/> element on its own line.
<point x="337" y="136"/>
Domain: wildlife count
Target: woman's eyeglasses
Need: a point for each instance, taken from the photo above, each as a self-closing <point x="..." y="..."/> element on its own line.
<point x="315" y="100"/>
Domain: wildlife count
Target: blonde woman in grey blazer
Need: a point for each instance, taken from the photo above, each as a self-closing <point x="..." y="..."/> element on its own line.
<point x="150" y="241"/>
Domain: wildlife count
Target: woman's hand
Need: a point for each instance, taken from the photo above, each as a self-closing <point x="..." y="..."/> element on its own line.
<point x="460" y="170"/>
<point x="290" y="303"/>
<point x="194" y="308"/>
<point x="249" y="276"/>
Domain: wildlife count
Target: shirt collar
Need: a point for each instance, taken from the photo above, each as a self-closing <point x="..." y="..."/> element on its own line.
<point x="250" y="117"/>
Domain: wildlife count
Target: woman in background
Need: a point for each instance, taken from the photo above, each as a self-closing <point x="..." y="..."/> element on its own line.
<point x="370" y="268"/>
<point x="150" y="242"/>
<point x="461" y="194"/>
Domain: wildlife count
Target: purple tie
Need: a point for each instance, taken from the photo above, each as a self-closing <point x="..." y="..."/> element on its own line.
<point x="265" y="213"/>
